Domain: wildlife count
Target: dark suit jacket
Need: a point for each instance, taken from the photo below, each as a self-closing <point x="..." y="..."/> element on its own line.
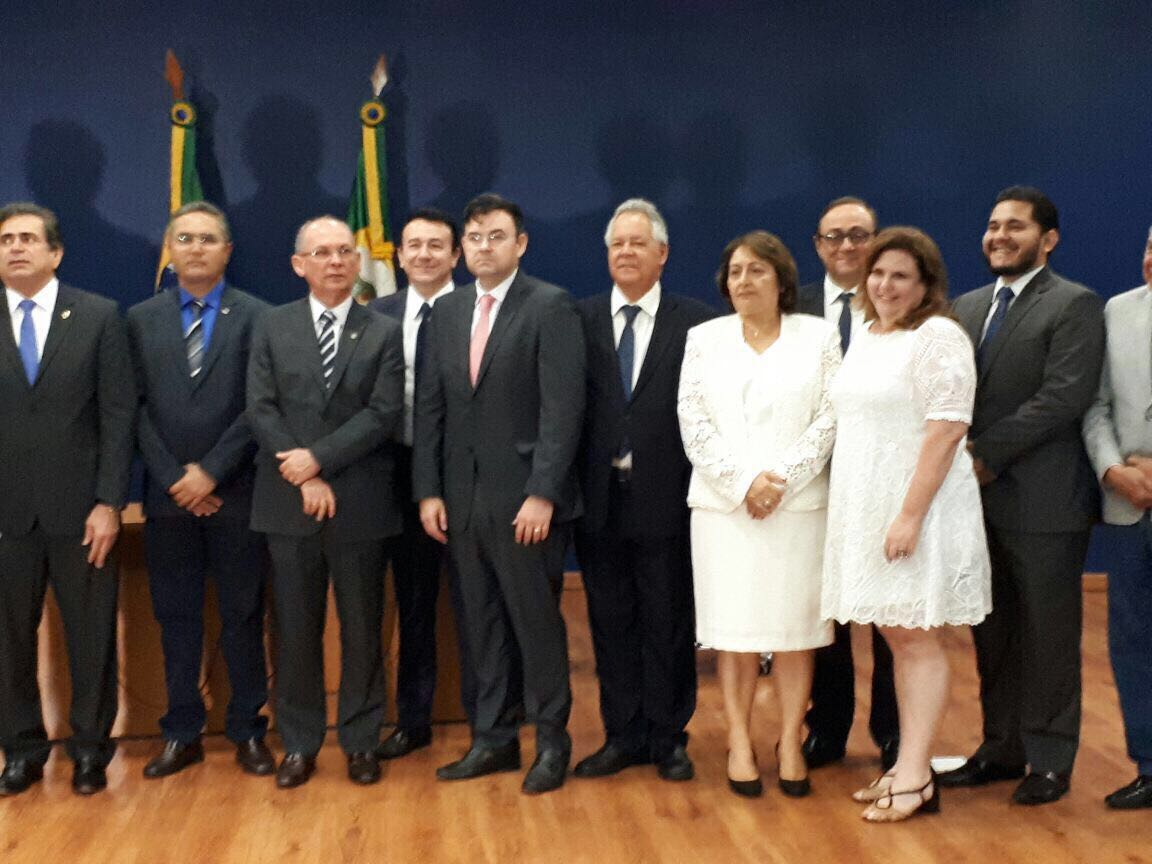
<point x="516" y="434"/>
<point x="66" y="441"/>
<point x="810" y="299"/>
<point x="347" y="428"/>
<point x="660" y="470"/>
<point x="1041" y="374"/>
<point x="393" y="306"/>
<point x="184" y="419"/>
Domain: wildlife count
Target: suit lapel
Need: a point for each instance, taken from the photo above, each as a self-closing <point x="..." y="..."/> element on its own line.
<point x="171" y="338"/>
<point x="661" y="339"/>
<point x="8" y="346"/>
<point x="222" y="331"/>
<point x="58" y="330"/>
<point x="973" y="319"/>
<point x="1029" y="297"/>
<point x="517" y="293"/>
<point x="358" y="319"/>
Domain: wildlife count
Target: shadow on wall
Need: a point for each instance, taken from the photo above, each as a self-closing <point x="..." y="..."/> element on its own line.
<point x="283" y="148"/>
<point x="64" y="169"/>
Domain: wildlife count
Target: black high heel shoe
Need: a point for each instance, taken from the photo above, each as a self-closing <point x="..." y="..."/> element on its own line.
<point x="792" y="788"/>
<point x="747" y="788"/>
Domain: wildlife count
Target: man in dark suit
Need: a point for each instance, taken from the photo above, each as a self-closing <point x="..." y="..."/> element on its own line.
<point x="497" y="426"/>
<point x="843" y="238"/>
<point x="190" y="351"/>
<point x="632" y="540"/>
<point x="325" y="398"/>
<point x="66" y="408"/>
<point x="428" y="251"/>
<point x="1040" y="344"/>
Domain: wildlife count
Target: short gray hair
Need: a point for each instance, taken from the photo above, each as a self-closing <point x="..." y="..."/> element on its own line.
<point x="640" y="205"/>
<point x="327" y="217"/>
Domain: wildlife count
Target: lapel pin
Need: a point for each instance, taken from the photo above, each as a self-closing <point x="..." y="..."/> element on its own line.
<point x="224" y="310"/>
<point x="353" y="335"/>
<point x="65" y="314"/>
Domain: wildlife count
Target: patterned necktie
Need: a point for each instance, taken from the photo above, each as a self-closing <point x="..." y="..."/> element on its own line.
<point x="626" y="350"/>
<point x="480" y="337"/>
<point x="845" y="321"/>
<point x="327" y="340"/>
<point x="28" y="353"/>
<point x="1003" y="298"/>
<point x="194" y="338"/>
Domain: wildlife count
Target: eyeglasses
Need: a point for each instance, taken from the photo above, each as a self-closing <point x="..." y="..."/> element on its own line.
<point x="323" y="253"/>
<point x="186" y="239"/>
<point x="836" y="238"/>
<point x="25" y="238"/>
<point x="493" y="238"/>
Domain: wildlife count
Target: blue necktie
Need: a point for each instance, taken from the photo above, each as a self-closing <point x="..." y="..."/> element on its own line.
<point x="845" y="321"/>
<point x="1003" y="298"/>
<point x="626" y="350"/>
<point x="28" y="352"/>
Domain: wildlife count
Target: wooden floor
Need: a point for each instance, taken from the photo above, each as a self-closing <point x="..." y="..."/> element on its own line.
<point x="214" y="813"/>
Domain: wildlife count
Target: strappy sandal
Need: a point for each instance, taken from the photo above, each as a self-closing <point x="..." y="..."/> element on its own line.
<point x="876" y="789"/>
<point x="885" y="812"/>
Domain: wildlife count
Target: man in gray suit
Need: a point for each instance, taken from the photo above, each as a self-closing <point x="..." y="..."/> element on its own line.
<point x="66" y="410"/>
<point x="1039" y="346"/>
<point x="1118" y="433"/>
<point x="190" y="351"/>
<point x="325" y="399"/>
<point x="498" y="419"/>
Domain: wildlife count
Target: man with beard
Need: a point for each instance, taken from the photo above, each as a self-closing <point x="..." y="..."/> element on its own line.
<point x="1039" y="347"/>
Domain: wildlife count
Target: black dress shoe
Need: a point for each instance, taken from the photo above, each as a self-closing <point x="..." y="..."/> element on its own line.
<point x="254" y="757"/>
<point x="1134" y="796"/>
<point x="363" y="768"/>
<point x="404" y="741"/>
<point x="547" y="772"/>
<point x="295" y="769"/>
<point x="482" y="760"/>
<point x="609" y="759"/>
<point x="176" y="756"/>
<point x="88" y="776"/>
<point x="19" y="776"/>
<point x="820" y="750"/>
<point x="889" y="751"/>
<point x="676" y="766"/>
<point x="977" y="772"/>
<point x="1041" y="787"/>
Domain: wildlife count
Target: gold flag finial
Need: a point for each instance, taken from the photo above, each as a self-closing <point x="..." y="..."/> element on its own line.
<point x="379" y="75"/>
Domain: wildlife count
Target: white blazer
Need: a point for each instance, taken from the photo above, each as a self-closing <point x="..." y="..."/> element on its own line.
<point x="712" y="417"/>
<point x="1117" y="425"/>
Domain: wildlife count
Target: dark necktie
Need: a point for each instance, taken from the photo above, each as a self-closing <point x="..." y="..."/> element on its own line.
<point x="626" y="350"/>
<point x="327" y="340"/>
<point x="28" y="352"/>
<point x="1003" y="299"/>
<point x="194" y="338"/>
<point x="845" y="321"/>
<point x="421" y="341"/>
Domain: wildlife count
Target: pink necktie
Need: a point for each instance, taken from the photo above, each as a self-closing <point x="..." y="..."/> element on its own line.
<point x="480" y="337"/>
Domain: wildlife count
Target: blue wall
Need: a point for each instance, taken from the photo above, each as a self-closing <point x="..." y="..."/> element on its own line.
<point x="731" y="115"/>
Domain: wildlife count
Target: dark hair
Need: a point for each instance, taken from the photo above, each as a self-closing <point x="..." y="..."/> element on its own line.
<point x="205" y="207"/>
<point x="929" y="264"/>
<point x="840" y="202"/>
<point x="27" y="208"/>
<point x="1043" y="210"/>
<point x="767" y="247"/>
<point x="434" y="214"/>
<point x="490" y="202"/>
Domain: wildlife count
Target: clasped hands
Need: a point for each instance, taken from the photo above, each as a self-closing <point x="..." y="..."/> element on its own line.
<point x="1132" y="480"/>
<point x="299" y="467"/>
<point x="764" y="494"/>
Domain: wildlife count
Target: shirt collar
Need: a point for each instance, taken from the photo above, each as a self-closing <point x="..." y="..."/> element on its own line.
<point x="1018" y="284"/>
<point x="341" y="311"/>
<point x="211" y="300"/>
<point x="500" y="291"/>
<point x="832" y="291"/>
<point x="650" y="302"/>
<point x="45" y="298"/>
<point x="413" y="301"/>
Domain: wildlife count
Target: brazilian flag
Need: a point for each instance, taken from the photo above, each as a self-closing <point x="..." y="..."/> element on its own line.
<point x="184" y="181"/>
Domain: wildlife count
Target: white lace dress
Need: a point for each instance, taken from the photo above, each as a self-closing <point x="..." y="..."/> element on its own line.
<point x="757" y="582"/>
<point x="888" y="387"/>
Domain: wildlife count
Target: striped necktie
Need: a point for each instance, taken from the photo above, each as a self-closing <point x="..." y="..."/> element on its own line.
<point x="327" y="340"/>
<point x="194" y="338"/>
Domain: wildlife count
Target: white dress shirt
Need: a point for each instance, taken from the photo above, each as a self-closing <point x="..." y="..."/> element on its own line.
<point x="45" y="300"/>
<point x="642" y="326"/>
<point x="832" y="304"/>
<point x="341" y="313"/>
<point x="413" y="303"/>
<point x="499" y="293"/>
<point x="1017" y="285"/>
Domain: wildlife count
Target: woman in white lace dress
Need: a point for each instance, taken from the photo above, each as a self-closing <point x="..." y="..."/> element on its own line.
<point x="906" y="548"/>
<point x="758" y="429"/>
